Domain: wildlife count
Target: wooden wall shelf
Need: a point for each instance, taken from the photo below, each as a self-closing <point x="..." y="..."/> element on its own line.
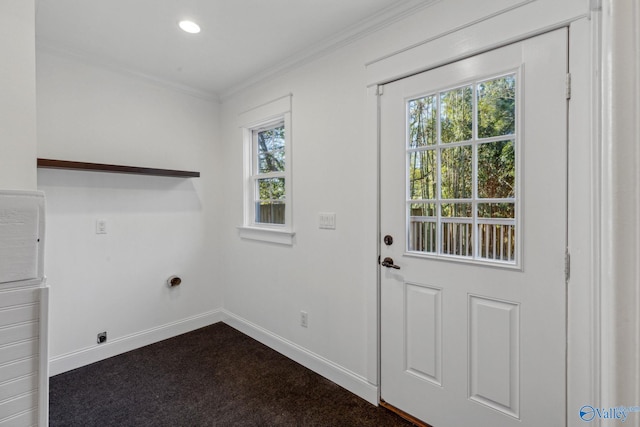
<point x="99" y="167"/>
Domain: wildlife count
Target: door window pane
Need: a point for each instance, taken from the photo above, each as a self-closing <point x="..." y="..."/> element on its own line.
<point x="497" y="241"/>
<point x="423" y="210"/>
<point x="423" y="122"/>
<point x="422" y="236"/>
<point x="497" y="107"/>
<point x="496" y="170"/>
<point x="456" y="117"/>
<point x="457" y="239"/>
<point x="496" y="210"/>
<point x="456" y="172"/>
<point x="423" y="172"/>
<point x="456" y="210"/>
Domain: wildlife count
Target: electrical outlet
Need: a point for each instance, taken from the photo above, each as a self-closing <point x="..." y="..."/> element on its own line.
<point x="304" y="319"/>
<point x="101" y="226"/>
<point x="102" y="337"/>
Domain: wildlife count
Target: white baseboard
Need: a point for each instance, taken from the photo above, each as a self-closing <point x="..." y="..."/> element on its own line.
<point x="328" y="369"/>
<point x="76" y="359"/>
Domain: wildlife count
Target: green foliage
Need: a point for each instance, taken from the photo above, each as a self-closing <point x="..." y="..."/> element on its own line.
<point x="456" y="172"/>
<point x="270" y="208"/>
<point x="496" y="170"/>
<point x="495" y="117"/>
<point x="422" y="133"/>
<point x="422" y="122"/>
<point x="497" y="107"/>
<point x="271" y="150"/>
<point x="423" y="175"/>
<point x="271" y="189"/>
<point x="456" y="115"/>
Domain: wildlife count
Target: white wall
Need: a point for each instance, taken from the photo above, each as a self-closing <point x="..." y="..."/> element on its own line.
<point x="332" y="274"/>
<point x="17" y="95"/>
<point x="156" y="226"/>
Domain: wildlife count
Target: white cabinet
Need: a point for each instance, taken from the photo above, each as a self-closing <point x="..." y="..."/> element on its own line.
<point x="24" y="383"/>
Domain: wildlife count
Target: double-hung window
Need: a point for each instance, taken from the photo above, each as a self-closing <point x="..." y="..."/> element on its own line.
<point x="267" y="172"/>
<point x="268" y="180"/>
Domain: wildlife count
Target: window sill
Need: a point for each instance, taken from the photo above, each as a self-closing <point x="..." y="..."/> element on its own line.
<point x="271" y="235"/>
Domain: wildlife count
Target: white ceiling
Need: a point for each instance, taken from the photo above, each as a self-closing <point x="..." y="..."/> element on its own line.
<point x="242" y="41"/>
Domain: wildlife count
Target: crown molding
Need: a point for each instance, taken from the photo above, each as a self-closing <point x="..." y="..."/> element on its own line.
<point x="365" y="27"/>
<point x="48" y="46"/>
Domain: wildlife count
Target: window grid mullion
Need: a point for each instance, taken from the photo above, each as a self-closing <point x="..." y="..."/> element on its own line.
<point x="439" y="233"/>
<point x="475" y="250"/>
<point x="474" y="220"/>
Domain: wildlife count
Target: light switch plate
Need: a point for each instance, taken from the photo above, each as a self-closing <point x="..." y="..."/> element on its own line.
<point x="327" y="220"/>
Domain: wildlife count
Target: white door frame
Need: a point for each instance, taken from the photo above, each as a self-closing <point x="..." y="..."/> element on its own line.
<point x="601" y="368"/>
<point x="619" y="195"/>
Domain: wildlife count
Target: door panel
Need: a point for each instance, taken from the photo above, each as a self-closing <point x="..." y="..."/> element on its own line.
<point x="423" y="320"/>
<point x="494" y="343"/>
<point x="473" y="191"/>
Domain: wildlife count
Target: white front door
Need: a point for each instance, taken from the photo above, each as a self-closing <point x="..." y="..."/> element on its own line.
<point x="474" y="204"/>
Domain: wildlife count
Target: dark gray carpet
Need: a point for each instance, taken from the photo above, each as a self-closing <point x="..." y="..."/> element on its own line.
<point x="215" y="376"/>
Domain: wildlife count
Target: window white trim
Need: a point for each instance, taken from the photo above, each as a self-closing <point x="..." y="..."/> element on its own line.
<point x="265" y="115"/>
<point x="264" y="234"/>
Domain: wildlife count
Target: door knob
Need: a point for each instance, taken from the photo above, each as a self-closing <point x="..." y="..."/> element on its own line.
<point x="388" y="262"/>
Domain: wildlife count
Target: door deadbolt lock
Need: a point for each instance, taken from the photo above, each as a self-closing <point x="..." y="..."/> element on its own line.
<point x="388" y="240"/>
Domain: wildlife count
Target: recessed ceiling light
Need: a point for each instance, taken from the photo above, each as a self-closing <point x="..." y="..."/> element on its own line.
<point x="189" y="27"/>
